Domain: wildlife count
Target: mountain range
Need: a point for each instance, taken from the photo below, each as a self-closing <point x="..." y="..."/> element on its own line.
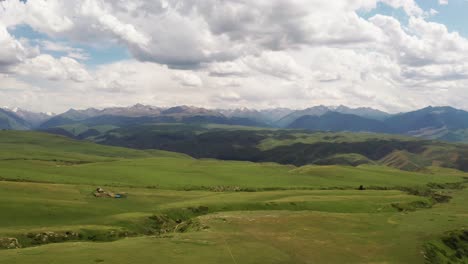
<point x="444" y="123"/>
<point x="20" y="119"/>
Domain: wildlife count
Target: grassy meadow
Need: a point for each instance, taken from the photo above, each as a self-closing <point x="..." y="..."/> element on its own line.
<point x="184" y="210"/>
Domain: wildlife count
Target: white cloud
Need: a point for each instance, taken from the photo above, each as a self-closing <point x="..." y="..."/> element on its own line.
<point x="108" y="22"/>
<point x="443" y="2"/>
<point x="47" y="67"/>
<point x="45" y="16"/>
<point x="188" y="33"/>
<point x="275" y="64"/>
<point x="422" y="44"/>
<point x="265" y="53"/>
<point x="410" y="6"/>
<point x="75" y="53"/>
<point x="12" y="51"/>
<point x="228" y="68"/>
<point x="187" y="79"/>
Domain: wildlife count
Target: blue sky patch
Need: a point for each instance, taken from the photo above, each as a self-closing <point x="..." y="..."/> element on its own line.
<point x="97" y="54"/>
<point x="453" y="15"/>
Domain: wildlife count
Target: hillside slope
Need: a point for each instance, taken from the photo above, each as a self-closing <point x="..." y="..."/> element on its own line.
<point x="40" y="157"/>
<point x="297" y="147"/>
<point x="214" y="211"/>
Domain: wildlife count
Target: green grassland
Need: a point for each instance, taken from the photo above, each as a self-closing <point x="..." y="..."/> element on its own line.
<point x="282" y="146"/>
<point x="187" y="173"/>
<point x="77" y="129"/>
<point x="184" y="210"/>
<point x="303" y="137"/>
<point x="37" y="146"/>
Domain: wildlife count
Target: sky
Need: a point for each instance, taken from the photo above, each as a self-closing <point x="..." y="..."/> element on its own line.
<point x="393" y="55"/>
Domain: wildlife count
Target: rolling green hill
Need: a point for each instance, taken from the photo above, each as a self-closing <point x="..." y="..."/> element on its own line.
<point x="296" y="147"/>
<point x="36" y="146"/>
<point x="32" y="156"/>
<point x="208" y="211"/>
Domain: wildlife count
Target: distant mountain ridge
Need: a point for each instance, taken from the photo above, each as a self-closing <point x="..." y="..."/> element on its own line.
<point x="320" y="110"/>
<point x="32" y="118"/>
<point x="429" y="117"/>
<point x="268" y="116"/>
<point x="366" y="112"/>
<point x="275" y="117"/>
<point x="335" y="121"/>
<point x="8" y="120"/>
<point x="141" y="114"/>
<point x="444" y="123"/>
<point x="20" y="119"/>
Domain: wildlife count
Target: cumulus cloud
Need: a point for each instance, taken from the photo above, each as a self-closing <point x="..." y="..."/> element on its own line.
<point x="45" y="16"/>
<point x="276" y="64"/>
<point x="424" y="45"/>
<point x="108" y="22"/>
<point x="12" y="50"/>
<point x="46" y="66"/>
<point x="188" y="33"/>
<point x="265" y="53"/>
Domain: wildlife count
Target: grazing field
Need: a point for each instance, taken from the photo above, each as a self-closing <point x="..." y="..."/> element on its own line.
<point x="187" y="173"/>
<point x="183" y="210"/>
<point x="323" y="226"/>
